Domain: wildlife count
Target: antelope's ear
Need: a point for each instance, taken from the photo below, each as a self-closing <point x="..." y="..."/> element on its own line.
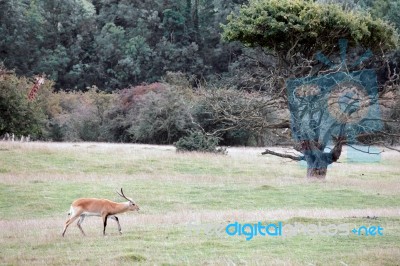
<point x="131" y="201"/>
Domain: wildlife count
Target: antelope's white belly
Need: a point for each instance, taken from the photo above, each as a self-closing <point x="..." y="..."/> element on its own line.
<point x="91" y="214"/>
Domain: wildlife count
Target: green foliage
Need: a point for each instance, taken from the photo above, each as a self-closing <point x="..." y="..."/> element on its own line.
<point x="45" y="36"/>
<point x="160" y="117"/>
<point x="113" y="44"/>
<point x="198" y="141"/>
<point x="173" y="23"/>
<point x="385" y="9"/>
<point x="116" y="44"/>
<point x="302" y="26"/>
<point x="54" y="62"/>
<point x="77" y="116"/>
<point x="133" y="65"/>
<point x="18" y="115"/>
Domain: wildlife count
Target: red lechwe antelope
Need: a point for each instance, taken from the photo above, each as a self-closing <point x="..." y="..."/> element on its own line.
<point x="98" y="207"/>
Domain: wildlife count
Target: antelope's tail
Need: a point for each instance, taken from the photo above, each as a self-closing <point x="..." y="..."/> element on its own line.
<point x="70" y="211"/>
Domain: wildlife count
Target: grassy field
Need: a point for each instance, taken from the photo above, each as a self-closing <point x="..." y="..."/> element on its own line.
<point x="38" y="182"/>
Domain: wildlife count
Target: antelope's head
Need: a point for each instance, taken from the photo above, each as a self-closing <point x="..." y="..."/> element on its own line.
<point x="132" y="205"/>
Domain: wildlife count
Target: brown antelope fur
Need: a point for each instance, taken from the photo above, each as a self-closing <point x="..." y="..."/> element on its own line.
<point x="104" y="208"/>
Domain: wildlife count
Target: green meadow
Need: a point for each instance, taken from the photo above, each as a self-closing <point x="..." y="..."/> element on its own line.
<point x="38" y="182"/>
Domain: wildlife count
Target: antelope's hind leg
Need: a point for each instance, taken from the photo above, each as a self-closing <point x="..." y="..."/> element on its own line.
<point x="82" y="217"/>
<point x="70" y="221"/>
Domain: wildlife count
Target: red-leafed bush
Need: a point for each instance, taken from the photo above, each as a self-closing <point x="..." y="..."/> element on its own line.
<point x="131" y="95"/>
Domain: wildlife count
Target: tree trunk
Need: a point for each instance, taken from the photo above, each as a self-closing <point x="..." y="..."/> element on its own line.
<point x="318" y="173"/>
<point x="317" y="163"/>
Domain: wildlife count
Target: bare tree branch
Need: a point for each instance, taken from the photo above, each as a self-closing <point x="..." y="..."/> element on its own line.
<point x="295" y="158"/>
<point x="391" y="148"/>
<point x="368" y="152"/>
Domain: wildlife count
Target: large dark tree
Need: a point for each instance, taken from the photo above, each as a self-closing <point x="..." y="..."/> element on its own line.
<point x="331" y="103"/>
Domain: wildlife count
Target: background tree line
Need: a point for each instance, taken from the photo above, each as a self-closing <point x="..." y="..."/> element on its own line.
<point x="113" y="44"/>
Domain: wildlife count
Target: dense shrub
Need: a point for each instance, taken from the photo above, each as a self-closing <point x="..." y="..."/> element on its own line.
<point x="391" y="104"/>
<point x="160" y="118"/>
<point x="18" y="114"/>
<point x="198" y="141"/>
<point x="78" y="116"/>
<point x="237" y="117"/>
<point x="155" y="113"/>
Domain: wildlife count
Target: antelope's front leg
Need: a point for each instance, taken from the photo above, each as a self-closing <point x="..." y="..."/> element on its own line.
<point x="117" y="220"/>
